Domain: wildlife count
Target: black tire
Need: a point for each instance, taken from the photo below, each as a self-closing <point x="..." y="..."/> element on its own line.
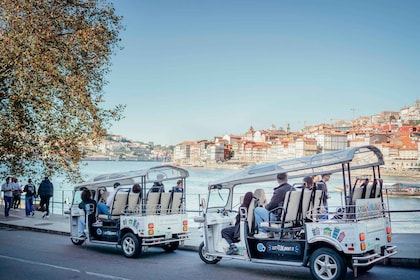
<point x="327" y="264"/>
<point x="170" y="247"/>
<point x="130" y="245"/>
<point x="77" y="241"/>
<point x="206" y="257"/>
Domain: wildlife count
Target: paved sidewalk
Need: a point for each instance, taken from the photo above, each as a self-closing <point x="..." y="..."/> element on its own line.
<point x="408" y="244"/>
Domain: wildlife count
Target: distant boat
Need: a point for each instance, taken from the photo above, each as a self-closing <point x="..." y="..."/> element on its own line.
<point x="402" y="190"/>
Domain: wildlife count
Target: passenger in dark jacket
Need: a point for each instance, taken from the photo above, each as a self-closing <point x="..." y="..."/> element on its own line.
<point x="86" y="197"/>
<point x="45" y="192"/>
<point x="263" y="214"/>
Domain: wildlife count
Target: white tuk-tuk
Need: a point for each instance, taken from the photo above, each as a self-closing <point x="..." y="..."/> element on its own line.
<point x="136" y="220"/>
<point x="356" y="233"/>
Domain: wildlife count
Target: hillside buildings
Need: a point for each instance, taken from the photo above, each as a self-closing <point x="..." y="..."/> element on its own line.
<point x="397" y="134"/>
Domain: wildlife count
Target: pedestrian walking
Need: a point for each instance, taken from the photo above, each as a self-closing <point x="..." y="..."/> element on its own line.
<point x="17" y="191"/>
<point x="30" y="193"/>
<point x="45" y="192"/>
<point x="7" y="189"/>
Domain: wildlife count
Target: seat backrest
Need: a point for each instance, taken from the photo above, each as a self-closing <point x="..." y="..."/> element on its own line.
<point x="250" y="214"/>
<point x="377" y="187"/>
<point x="164" y="203"/>
<point x="291" y="206"/>
<point x="368" y="190"/>
<point x="306" y="203"/>
<point x="260" y="195"/>
<point x="357" y="194"/>
<point x="176" y="203"/>
<point x="134" y="203"/>
<point x="152" y="202"/>
<point x="119" y="203"/>
<point x="314" y="205"/>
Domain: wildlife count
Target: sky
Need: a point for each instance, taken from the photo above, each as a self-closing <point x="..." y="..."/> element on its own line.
<point x="193" y="70"/>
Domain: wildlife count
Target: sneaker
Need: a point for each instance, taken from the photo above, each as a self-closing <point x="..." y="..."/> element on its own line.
<point x="47" y="216"/>
<point x="33" y="213"/>
<point x="97" y="224"/>
<point x="44" y="214"/>
<point x="82" y="235"/>
<point x="233" y="250"/>
<point x="264" y="235"/>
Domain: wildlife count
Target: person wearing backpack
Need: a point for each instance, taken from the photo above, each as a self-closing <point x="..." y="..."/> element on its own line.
<point x="30" y="192"/>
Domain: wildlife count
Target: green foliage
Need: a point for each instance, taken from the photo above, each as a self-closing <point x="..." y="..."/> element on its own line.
<point x="54" y="55"/>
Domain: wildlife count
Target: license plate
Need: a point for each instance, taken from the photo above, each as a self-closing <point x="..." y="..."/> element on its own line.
<point x="168" y="235"/>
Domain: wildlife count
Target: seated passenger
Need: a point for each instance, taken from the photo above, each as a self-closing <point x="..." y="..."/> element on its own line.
<point x="232" y="234"/>
<point x="103" y="195"/>
<point x="104" y="208"/>
<point x="158" y="185"/>
<point x="136" y="188"/>
<point x="86" y="199"/>
<point x="308" y="182"/>
<point x="179" y="186"/>
<point x="262" y="213"/>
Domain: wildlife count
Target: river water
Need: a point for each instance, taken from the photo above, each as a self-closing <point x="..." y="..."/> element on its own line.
<point x="200" y="177"/>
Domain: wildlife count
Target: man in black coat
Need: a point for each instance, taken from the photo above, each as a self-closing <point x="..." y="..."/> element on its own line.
<point x="45" y="192"/>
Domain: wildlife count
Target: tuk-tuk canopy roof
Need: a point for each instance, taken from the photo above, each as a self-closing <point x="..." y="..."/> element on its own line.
<point x="331" y="162"/>
<point x="152" y="174"/>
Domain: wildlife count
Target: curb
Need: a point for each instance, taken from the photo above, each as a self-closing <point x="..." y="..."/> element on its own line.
<point x="36" y="229"/>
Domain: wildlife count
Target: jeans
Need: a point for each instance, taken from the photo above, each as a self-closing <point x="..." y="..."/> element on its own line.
<point x="29" y="205"/>
<point x="8" y="201"/>
<point x="81" y="224"/>
<point x="261" y="215"/>
<point x="323" y="213"/>
<point x="103" y="208"/>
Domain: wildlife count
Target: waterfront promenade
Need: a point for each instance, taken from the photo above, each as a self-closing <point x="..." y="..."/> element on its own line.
<point x="408" y="244"/>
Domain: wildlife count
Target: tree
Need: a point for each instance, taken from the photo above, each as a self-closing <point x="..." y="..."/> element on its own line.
<point x="54" y="55"/>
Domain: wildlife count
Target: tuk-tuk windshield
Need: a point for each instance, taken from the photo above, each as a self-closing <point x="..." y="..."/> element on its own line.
<point x="218" y="198"/>
<point x="77" y="197"/>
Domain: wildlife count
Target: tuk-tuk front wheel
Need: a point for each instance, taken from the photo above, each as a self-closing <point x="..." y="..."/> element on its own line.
<point x="205" y="257"/>
<point x="326" y="264"/>
<point x="77" y="241"/>
<point x="130" y="245"/>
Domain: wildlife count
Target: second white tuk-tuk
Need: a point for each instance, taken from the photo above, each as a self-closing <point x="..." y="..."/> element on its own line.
<point x="356" y="233"/>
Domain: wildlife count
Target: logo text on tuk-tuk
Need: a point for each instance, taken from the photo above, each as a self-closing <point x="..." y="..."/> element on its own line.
<point x="279" y="248"/>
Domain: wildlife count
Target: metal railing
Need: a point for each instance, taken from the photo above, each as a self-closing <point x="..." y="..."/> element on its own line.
<point x="400" y="220"/>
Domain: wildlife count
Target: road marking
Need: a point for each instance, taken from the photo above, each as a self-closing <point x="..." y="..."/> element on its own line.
<point x="105" y="276"/>
<point x="38" y="263"/>
<point x="65" y="268"/>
